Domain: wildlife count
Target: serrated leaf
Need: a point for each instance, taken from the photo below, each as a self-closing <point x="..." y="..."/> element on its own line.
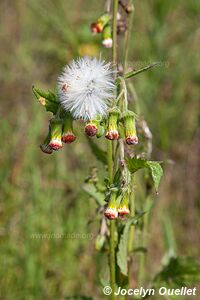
<point x="134" y="164"/>
<point x="156" y="172"/>
<point x="97" y="151"/>
<point x="122" y="253"/>
<point x="180" y="271"/>
<point x="91" y="190"/>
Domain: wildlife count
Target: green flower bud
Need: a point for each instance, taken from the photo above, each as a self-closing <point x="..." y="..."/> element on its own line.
<point x="56" y="134"/>
<point x="107" y="36"/>
<point x="123" y="208"/>
<point x="112" y="131"/>
<point x="111" y="211"/>
<point x="100" y="131"/>
<point x="45" y="146"/>
<point x="128" y="121"/>
<point x="68" y="136"/>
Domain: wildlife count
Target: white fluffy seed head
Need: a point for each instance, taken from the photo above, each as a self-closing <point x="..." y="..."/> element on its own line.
<point x="86" y="88"/>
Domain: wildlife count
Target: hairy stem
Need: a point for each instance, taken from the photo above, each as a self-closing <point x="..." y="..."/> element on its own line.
<point x="110" y="158"/>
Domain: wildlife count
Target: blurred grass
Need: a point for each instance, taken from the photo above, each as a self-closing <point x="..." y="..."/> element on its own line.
<point x="42" y="194"/>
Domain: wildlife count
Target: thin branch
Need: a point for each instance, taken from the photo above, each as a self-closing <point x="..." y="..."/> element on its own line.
<point x="134" y="73"/>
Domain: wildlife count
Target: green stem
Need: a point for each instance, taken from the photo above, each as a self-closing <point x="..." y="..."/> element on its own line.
<point x="112" y="223"/>
<point x="114" y="31"/>
<point x="132" y="214"/>
<point x="142" y="261"/>
<point x="134" y="73"/>
<point x="110" y="159"/>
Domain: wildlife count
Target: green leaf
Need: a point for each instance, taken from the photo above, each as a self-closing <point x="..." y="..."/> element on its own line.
<point x="122" y="253"/>
<point x="91" y="190"/>
<point x="47" y="99"/>
<point x="134" y="164"/>
<point x="180" y="271"/>
<point x="98" y="152"/>
<point x="169" y="239"/>
<point x="156" y="172"/>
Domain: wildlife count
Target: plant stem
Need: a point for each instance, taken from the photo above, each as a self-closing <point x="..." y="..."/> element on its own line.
<point x="112" y="223"/>
<point x="110" y="158"/>
<point x="127" y="37"/>
<point x="135" y="72"/>
<point x="114" y="33"/>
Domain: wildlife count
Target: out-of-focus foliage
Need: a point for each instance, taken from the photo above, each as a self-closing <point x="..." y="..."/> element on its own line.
<point x="47" y="242"/>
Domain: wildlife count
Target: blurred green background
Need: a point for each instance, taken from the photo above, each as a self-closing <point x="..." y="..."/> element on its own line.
<point x="43" y="194"/>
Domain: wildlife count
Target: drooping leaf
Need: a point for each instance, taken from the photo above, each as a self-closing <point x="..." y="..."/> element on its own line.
<point x="156" y="172"/>
<point x="179" y="272"/>
<point x="122" y="253"/>
<point x="47" y="99"/>
<point x="134" y="164"/>
<point x="97" y="151"/>
<point x="91" y="190"/>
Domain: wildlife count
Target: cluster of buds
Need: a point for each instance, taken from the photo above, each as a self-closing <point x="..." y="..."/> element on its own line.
<point x="60" y="131"/>
<point x="110" y="127"/>
<point x="102" y="25"/>
<point x="115" y="210"/>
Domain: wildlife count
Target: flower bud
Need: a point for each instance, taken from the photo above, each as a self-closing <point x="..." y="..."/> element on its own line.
<point x="56" y="134"/>
<point x="111" y="210"/>
<point x="128" y="121"/>
<point x="101" y="131"/>
<point x="123" y="208"/>
<point x="98" y="26"/>
<point x="91" y="128"/>
<point x="68" y="136"/>
<point x="45" y="146"/>
<point x="112" y="131"/>
<point x="107" y="37"/>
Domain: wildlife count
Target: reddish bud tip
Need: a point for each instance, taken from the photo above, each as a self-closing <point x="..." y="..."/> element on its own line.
<point x="111" y="213"/>
<point x="46" y="149"/>
<point x="96" y="27"/>
<point x="112" y="135"/>
<point x="132" y="140"/>
<point x="91" y="130"/>
<point x="55" y="144"/>
<point x="68" y="138"/>
<point x="123" y="211"/>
